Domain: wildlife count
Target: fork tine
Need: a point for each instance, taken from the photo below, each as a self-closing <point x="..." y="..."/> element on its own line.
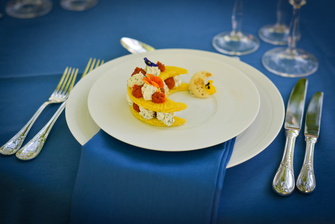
<point x="92" y="66"/>
<point x="61" y="80"/>
<point x="97" y="65"/>
<point x="98" y="62"/>
<point x="68" y="83"/>
<point x="72" y="83"/>
<point x="65" y="81"/>
<point x="87" y="67"/>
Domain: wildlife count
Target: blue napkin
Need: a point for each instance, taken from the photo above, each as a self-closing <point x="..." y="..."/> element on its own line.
<point x="120" y="183"/>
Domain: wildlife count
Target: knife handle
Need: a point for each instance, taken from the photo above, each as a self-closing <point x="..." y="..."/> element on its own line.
<point x="306" y="179"/>
<point x="283" y="183"/>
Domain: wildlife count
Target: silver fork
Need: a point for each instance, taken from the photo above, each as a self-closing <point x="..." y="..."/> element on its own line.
<point x="90" y="67"/>
<point x="59" y="95"/>
<point x="35" y="145"/>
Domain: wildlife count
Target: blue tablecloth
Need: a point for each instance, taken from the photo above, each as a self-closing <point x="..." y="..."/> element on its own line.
<point x="34" y="53"/>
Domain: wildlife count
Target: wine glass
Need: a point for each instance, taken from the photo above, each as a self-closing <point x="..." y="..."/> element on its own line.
<point x="78" y="5"/>
<point x="276" y="33"/>
<point x="235" y="42"/>
<point x="26" y="9"/>
<point x="291" y="61"/>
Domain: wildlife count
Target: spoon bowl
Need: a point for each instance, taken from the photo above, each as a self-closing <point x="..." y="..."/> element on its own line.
<point x="135" y="46"/>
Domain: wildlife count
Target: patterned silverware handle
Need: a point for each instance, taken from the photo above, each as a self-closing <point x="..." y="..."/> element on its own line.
<point x="35" y="145"/>
<point x="283" y="182"/>
<point x="14" y="144"/>
<point x="306" y="179"/>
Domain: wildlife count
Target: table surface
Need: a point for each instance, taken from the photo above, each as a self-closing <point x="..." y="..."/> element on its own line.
<point x="34" y="53"/>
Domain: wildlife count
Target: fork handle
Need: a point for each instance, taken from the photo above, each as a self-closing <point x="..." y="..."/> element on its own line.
<point x="35" y="145"/>
<point x="14" y="144"/>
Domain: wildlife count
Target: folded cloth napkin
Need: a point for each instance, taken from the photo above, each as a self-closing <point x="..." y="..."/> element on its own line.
<point x="120" y="183"/>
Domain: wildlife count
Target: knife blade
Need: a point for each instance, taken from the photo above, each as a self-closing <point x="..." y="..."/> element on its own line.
<point x="284" y="182"/>
<point x="306" y="179"/>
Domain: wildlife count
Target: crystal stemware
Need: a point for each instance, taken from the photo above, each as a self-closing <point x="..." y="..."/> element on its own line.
<point x="276" y="33"/>
<point x="291" y="61"/>
<point x="78" y="5"/>
<point x="235" y="42"/>
<point x="26" y="9"/>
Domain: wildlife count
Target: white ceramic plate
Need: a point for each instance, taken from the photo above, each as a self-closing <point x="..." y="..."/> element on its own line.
<point x="210" y="121"/>
<point x="248" y="144"/>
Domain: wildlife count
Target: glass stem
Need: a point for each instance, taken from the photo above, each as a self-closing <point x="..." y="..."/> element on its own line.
<point x="294" y="26"/>
<point x="237" y="16"/>
<point x="281" y="12"/>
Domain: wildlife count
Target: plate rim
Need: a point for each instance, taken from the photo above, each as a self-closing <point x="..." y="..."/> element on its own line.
<point x="240" y="81"/>
<point x="83" y="137"/>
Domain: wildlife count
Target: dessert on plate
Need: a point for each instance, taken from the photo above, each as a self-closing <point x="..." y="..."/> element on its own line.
<point x="148" y="90"/>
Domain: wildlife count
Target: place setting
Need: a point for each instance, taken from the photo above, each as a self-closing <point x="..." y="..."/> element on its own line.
<point x="102" y="120"/>
<point x="89" y="107"/>
<point x="159" y="129"/>
<point x="246" y="103"/>
<point x="83" y="126"/>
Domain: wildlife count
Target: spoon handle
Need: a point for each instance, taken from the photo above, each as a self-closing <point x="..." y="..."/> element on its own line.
<point x="283" y="182"/>
<point x="35" y="145"/>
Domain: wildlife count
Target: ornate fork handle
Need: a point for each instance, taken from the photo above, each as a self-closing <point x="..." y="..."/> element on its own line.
<point x="34" y="146"/>
<point x="14" y="144"/>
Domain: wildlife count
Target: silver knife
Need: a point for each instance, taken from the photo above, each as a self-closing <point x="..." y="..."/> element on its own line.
<point x="306" y="178"/>
<point x="284" y="182"/>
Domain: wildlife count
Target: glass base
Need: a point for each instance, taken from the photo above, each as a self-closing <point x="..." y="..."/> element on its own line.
<point x="290" y="62"/>
<point x="235" y="43"/>
<point x="28" y="9"/>
<point x="274" y="34"/>
<point x="78" y="5"/>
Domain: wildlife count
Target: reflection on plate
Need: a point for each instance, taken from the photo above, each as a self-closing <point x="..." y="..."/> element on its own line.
<point x="210" y="121"/>
<point x="248" y="144"/>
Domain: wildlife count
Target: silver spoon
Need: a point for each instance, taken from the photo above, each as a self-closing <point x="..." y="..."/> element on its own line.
<point x="135" y="46"/>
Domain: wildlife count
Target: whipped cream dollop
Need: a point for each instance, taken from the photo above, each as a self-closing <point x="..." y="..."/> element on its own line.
<point x="166" y="118"/>
<point x="177" y="80"/>
<point x="166" y="88"/>
<point x="148" y="91"/>
<point x="136" y="79"/>
<point x="146" y="114"/>
<point x="130" y="103"/>
<point x="153" y="70"/>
